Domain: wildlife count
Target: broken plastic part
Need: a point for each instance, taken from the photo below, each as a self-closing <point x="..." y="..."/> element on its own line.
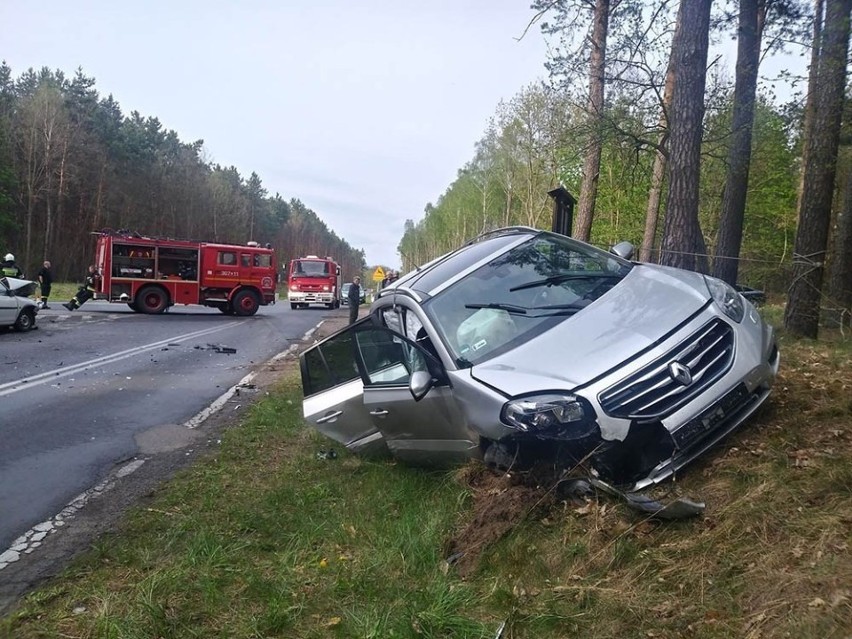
<point x="680" y="508"/>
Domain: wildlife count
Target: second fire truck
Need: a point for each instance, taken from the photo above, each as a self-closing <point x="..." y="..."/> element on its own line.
<point x="313" y="280"/>
<point x="152" y="274"/>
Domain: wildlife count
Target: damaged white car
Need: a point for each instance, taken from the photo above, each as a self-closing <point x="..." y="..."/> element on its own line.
<point x="16" y="309"/>
<point x="526" y="346"/>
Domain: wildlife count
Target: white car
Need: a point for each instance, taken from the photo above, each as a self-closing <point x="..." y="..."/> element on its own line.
<point x="16" y="309"/>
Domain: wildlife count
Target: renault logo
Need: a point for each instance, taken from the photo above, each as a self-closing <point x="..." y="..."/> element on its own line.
<point x="680" y="373"/>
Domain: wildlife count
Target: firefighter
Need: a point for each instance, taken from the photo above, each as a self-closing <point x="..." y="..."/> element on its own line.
<point x="86" y="291"/>
<point x="8" y="268"/>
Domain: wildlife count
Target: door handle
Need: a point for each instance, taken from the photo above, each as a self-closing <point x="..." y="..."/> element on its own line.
<point x="330" y="417"/>
<point x="379" y="412"/>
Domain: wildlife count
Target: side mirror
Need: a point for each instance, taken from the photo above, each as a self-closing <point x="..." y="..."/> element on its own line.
<point x="420" y="383"/>
<point x="623" y="250"/>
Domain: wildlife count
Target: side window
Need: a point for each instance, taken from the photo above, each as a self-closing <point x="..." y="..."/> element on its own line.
<point x="329" y="364"/>
<point x="389" y="359"/>
<point x="384" y="357"/>
<point x="245" y="259"/>
<point x="227" y="258"/>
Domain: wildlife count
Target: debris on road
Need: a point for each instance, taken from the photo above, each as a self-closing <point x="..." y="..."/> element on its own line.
<point x="218" y="348"/>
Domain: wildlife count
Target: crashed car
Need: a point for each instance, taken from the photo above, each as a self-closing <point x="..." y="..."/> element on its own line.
<point x="525" y="346"/>
<point x="16" y="309"/>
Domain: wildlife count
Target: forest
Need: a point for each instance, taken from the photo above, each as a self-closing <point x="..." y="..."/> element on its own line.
<point x="72" y="163"/>
<point x="699" y="166"/>
<point x="661" y="145"/>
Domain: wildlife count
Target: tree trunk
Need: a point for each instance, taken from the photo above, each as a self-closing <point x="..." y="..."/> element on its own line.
<point x="658" y="172"/>
<point x="819" y="17"/>
<point x="683" y="244"/>
<point x="803" y="303"/>
<point x="592" y="162"/>
<point x="725" y="259"/>
<point x="840" y="278"/>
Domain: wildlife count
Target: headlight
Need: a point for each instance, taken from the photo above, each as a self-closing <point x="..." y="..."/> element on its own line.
<point x="541" y="412"/>
<point x="294" y="287"/>
<point x="326" y="287"/>
<point x="726" y="297"/>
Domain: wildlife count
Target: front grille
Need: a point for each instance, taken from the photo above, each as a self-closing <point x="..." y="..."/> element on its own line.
<point x="653" y="393"/>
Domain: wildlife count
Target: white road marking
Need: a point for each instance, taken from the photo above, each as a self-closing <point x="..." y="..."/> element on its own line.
<point x="48" y="376"/>
<point x="220" y="401"/>
<point x="33" y="538"/>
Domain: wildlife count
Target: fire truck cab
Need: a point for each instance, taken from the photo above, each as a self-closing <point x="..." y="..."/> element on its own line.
<point x="152" y="274"/>
<point x="313" y="280"/>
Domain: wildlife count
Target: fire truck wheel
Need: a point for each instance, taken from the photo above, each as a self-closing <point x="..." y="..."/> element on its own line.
<point x="133" y="307"/>
<point x="245" y="303"/>
<point x="226" y="309"/>
<point x="152" y="299"/>
<point x="293" y="306"/>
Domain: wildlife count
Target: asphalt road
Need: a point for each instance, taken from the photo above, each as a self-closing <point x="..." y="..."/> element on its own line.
<point x="90" y="391"/>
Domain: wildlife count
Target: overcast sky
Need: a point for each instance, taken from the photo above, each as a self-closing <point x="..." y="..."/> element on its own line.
<point x="362" y="110"/>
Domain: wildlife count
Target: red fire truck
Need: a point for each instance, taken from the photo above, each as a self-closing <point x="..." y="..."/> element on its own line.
<point x="313" y="280"/>
<point x="152" y="274"/>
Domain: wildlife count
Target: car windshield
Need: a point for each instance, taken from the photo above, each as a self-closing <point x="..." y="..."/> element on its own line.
<point x="307" y="268"/>
<point x="523" y="292"/>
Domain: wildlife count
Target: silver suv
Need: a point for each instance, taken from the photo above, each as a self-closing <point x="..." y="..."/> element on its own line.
<point x="526" y="346"/>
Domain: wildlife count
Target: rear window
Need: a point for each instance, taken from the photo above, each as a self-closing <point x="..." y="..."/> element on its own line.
<point x="329" y="364"/>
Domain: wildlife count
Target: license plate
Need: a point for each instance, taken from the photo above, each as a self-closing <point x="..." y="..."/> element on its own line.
<point x="696" y="428"/>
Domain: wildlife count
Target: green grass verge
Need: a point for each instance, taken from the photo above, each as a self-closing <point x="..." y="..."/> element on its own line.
<point x="265" y="539"/>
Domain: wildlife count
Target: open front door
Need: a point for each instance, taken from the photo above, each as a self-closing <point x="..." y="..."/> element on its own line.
<point x="334" y="397"/>
<point x="431" y="431"/>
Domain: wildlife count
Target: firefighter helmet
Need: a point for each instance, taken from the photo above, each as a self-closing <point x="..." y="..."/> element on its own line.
<point x="9" y="257"/>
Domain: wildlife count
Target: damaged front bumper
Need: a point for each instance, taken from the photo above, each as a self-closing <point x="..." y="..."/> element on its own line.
<point x="636" y="447"/>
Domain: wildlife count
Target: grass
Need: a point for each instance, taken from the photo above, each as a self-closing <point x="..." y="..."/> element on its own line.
<point x="59" y="292"/>
<point x="265" y="539"/>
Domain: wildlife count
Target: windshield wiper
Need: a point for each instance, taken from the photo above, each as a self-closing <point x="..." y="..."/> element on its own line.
<point x="576" y="306"/>
<point x="509" y="308"/>
<point x="463" y="362"/>
<point x="565" y="277"/>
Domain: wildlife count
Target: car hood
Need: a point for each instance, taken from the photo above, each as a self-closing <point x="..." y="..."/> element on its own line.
<point x="21" y="288"/>
<point x="647" y="304"/>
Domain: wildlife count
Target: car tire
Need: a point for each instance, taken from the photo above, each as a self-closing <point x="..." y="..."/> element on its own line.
<point x="25" y="321"/>
<point x="499" y="457"/>
<point x="152" y="300"/>
<point x="245" y="303"/>
<point x="293" y="306"/>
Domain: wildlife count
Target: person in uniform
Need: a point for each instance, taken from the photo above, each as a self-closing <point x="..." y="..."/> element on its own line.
<point x="45" y="280"/>
<point x="86" y="291"/>
<point x="8" y="268"/>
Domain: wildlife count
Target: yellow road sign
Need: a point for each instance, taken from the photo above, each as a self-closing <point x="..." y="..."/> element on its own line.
<point x="378" y="274"/>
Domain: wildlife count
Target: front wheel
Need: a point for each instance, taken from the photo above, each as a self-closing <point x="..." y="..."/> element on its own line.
<point x="245" y="303"/>
<point x="152" y="300"/>
<point x="26" y="321"/>
<point x="293" y="306"/>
